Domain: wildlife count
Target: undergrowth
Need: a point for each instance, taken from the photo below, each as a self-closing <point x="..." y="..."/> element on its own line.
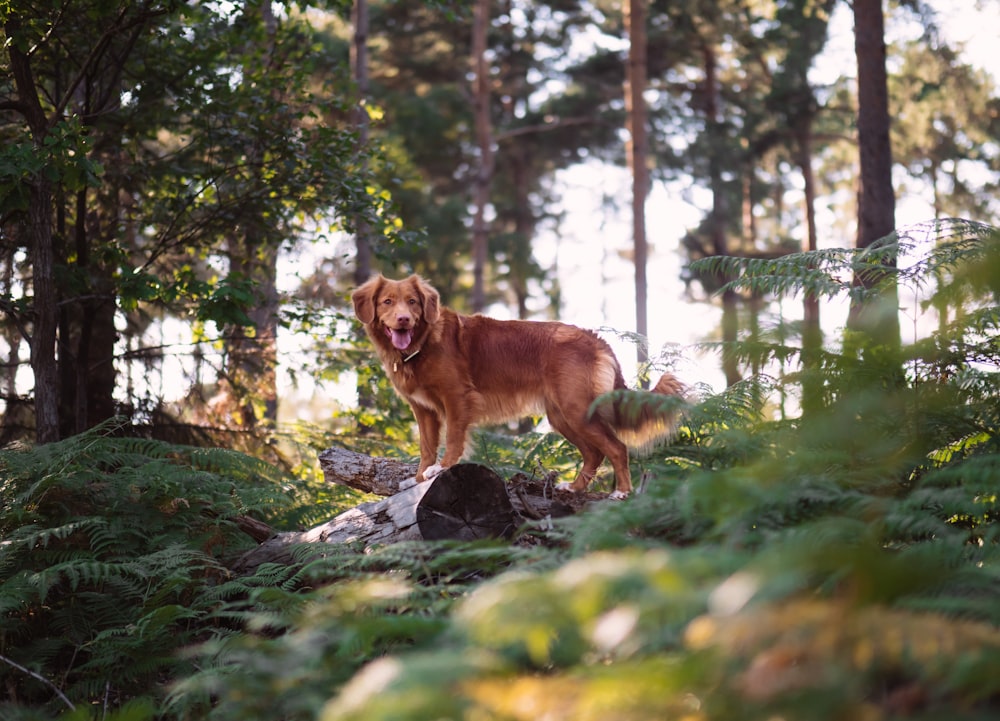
<point x="837" y="564"/>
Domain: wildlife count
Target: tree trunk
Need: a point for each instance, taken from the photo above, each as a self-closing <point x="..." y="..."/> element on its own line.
<point x="519" y="252"/>
<point x="40" y="251"/>
<point x="484" y="141"/>
<point x="876" y="199"/>
<point x="87" y="333"/>
<point x="719" y="213"/>
<point x="46" y="313"/>
<point x="362" y="230"/>
<point x="637" y="151"/>
<point x="812" y="334"/>
<point x="359" y="68"/>
<point x="252" y="353"/>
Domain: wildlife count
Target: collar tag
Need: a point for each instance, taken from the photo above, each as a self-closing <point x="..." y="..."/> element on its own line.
<point x="395" y="365"/>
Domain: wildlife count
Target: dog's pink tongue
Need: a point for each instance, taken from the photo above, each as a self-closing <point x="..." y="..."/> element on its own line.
<point x="401" y="338"/>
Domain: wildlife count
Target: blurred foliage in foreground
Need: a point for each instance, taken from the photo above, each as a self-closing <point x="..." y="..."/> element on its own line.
<point x="840" y="566"/>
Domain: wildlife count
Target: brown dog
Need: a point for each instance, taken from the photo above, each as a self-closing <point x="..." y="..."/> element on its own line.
<point x="458" y="370"/>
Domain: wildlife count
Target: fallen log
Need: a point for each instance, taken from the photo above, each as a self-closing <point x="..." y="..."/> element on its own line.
<point x="532" y="498"/>
<point x="381" y="476"/>
<point x="464" y="502"/>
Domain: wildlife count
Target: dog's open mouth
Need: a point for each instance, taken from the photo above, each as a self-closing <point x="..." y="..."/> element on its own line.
<point x="401" y="338"/>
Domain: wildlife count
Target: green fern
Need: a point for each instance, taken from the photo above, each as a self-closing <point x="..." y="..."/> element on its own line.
<point x="108" y="544"/>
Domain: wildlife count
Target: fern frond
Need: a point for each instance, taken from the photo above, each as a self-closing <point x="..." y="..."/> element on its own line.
<point x="819" y="274"/>
<point x="739" y="405"/>
<point x="955" y="245"/>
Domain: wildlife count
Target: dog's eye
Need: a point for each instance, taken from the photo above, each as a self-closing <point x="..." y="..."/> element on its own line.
<point x="387" y="301"/>
<point x="412" y="301"/>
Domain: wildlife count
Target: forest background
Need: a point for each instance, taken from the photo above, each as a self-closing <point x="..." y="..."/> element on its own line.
<point x="189" y="191"/>
<point x="183" y="205"/>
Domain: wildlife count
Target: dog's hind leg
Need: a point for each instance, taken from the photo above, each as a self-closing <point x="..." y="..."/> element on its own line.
<point x="617" y="453"/>
<point x="608" y="444"/>
<point x="592" y="460"/>
<point x="595" y="441"/>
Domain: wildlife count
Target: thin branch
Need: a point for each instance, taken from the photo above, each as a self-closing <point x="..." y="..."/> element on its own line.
<point x="38" y="677"/>
<point x="97" y="51"/>
<point x="11" y="311"/>
<point x="543" y="127"/>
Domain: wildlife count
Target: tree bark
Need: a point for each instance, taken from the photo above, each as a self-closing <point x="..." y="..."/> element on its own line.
<point x="876" y="215"/>
<point x="46" y="313"/>
<point x="87" y="332"/>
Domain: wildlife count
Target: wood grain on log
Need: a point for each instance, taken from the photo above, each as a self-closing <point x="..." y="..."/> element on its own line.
<point x="467" y="502"/>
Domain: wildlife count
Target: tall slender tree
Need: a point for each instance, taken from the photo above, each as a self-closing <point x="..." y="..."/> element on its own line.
<point x="362" y="241"/>
<point x="876" y="198"/>
<point x="802" y="26"/>
<point x="359" y="69"/>
<point x="637" y="154"/>
<point x="719" y="217"/>
<point x="250" y="374"/>
<point x="483" y="129"/>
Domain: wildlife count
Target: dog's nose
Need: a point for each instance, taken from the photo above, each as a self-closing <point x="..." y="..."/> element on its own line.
<point x="402" y="319"/>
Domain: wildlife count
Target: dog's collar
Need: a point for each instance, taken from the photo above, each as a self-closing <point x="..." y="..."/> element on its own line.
<point x="395" y="366"/>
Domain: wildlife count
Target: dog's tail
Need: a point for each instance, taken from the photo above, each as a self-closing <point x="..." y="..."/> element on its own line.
<point x="643" y="419"/>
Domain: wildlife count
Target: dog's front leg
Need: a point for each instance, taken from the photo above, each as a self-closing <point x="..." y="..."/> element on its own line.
<point x="459" y="419"/>
<point x="429" y="428"/>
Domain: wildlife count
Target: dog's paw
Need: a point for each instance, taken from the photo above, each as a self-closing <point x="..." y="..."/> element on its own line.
<point x="618" y="495"/>
<point x="407" y="483"/>
<point x="432" y="472"/>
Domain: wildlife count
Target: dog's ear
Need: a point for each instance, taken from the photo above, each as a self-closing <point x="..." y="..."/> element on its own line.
<point x="364" y="299"/>
<point x="432" y="300"/>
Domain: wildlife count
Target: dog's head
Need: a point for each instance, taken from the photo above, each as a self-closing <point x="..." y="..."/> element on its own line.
<point x="396" y="309"/>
